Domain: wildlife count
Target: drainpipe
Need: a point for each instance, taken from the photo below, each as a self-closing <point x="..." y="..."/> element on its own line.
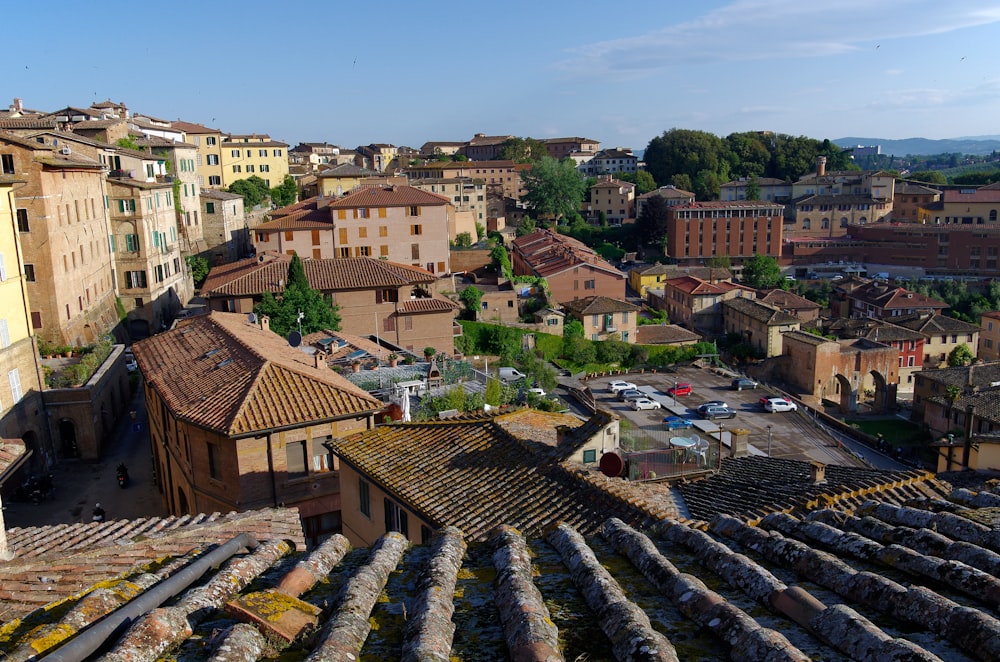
<point x="270" y="471"/>
<point x="83" y="646"/>
<point x="967" y="446"/>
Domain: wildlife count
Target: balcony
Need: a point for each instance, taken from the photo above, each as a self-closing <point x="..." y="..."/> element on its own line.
<point x="121" y="174"/>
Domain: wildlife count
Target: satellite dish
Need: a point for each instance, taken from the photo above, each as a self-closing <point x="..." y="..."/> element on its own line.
<point x="260" y="258"/>
<point x="252" y="318"/>
<point x="612" y="464"/>
<point x="294" y="339"/>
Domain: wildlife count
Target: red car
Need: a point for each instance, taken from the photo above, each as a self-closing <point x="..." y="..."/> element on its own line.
<point x="681" y="389"/>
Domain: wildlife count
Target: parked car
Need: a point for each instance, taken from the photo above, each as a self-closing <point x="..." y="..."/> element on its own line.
<point x="643" y="403"/>
<point x="741" y="383"/>
<point x="130" y="363"/>
<point x="681" y="389"/>
<point x="630" y="394"/>
<point x="537" y="392"/>
<point x="619" y="385"/>
<point x="677" y="423"/>
<point x="712" y="413"/>
<point x="711" y="403"/>
<point x="779" y="404"/>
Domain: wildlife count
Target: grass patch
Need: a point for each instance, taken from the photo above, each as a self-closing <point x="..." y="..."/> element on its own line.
<point x="896" y="431"/>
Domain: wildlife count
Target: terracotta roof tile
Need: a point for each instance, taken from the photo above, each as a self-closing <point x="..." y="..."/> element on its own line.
<point x="761" y="312"/>
<point x="664" y="334"/>
<point x="549" y="253"/>
<point x="252" y="277"/>
<point x="388" y="196"/>
<point x="598" y="305"/>
<point x="222" y="373"/>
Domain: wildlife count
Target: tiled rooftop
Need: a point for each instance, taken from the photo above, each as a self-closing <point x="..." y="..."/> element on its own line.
<point x="251" y="277"/>
<point x="760" y="311"/>
<point x="599" y="306"/>
<point x="885" y="581"/>
<point x="934" y="325"/>
<point x="697" y="286"/>
<point x="388" y="196"/>
<point x="890" y="298"/>
<point x="220" y="372"/>
<point x="551" y="253"/>
<point x="664" y="334"/>
<point x="788" y="300"/>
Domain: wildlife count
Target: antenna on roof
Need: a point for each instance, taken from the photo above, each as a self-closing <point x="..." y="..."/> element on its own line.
<point x="252" y="318"/>
<point x="294" y="339"/>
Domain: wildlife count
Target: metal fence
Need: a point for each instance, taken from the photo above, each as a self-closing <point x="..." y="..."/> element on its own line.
<point x="693" y="454"/>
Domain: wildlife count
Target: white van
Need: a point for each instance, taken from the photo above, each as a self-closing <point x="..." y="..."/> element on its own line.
<point x="510" y="374"/>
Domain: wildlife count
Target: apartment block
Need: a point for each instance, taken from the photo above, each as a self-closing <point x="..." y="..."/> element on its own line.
<point x="738" y="229"/>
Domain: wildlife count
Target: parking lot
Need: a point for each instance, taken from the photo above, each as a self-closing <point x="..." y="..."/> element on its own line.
<point x="792" y="435"/>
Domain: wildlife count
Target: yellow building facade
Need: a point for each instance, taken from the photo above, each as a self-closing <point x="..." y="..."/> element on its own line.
<point x="243" y="156"/>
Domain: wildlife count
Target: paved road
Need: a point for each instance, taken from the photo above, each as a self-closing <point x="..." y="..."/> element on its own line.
<point x="80" y="485"/>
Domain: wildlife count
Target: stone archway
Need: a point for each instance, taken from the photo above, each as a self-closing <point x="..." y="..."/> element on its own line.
<point x="874" y="382"/>
<point x="838" y="389"/>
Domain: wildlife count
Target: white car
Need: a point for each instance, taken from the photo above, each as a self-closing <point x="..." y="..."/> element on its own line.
<point x="779" y="404"/>
<point x="643" y="403"/>
<point x="619" y="385"/>
<point x="537" y="391"/>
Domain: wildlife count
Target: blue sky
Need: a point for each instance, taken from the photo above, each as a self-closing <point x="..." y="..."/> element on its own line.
<point x="621" y="73"/>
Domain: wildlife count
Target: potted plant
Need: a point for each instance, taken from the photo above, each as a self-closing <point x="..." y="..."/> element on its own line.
<point x="393" y="360"/>
<point x="429" y="353"/>
<point x="356" y="366"/>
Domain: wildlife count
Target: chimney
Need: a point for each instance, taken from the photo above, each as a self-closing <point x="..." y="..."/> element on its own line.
<point x="265" y="323"/>
<point x="817" y="472"/>
<point x="820" y="166"/>
<point x="319" y="358"/>
<point x="18" y="105"/>
<point x="971" y="368"/>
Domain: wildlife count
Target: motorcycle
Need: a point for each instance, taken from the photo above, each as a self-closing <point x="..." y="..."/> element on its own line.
<point x="99" y="514"/>
<point x="122" y="476"/>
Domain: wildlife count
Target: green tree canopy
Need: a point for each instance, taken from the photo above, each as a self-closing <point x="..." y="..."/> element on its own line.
<point x="297" y="273"/>
<point x="199" y="268"/>
<point x="753" y="188"/>
<point x="128" y="142"/>
<point x="652" y="222"/>
<point x="318" y="312"/>
<point x="762" y="271"/>
<point x="523" y="150"/>
<point x="928" y="177"/>
<point x="472" y="299"/>
<point x="960" y="356"/>
<point x="687" y="152"/>
<point x="643" y="181"/>
<point x="285" y="193"/>
<point x="553" y="188"/>
<point x="253" y="189"/>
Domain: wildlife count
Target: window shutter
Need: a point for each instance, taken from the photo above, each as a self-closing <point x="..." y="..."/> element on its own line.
<point x="386" y="509"/>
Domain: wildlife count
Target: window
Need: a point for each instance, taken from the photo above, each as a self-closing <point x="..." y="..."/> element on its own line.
<point x="159" y="273"/>
<point x="235" y="153"/>
<point x="322" y="457"/>
<point x="29" y="273"/>
<point x="135" y="279"/>
<point x="277" y="152"/>
<point x="344" y="251"/>
<point x="364" y="498"/>
<point x="209" y="140"/>
<point x="589" y="456"/>
<point x="413" y="211"/>
<point x="214" y="180"/>
<point x="237" y="168"/>
<point x="250" y="168"/>
<point x="213" y="461"/>
<point x="383" y="230"/>
<point x="209" y="207"/>
<point x="262" y="152"/>
<point x="395" y="518"/>
<point x="425" y="535"/>
<point x="22" y="221"/>
<point x="15" y="384"/>
<point x="415" y="251"/>
<point x="212" y="159"/>
<point x="3" y="268"/>
<point x="4" y="334"/>
<point x="386" y="296"/>
<point x="7" y="164"/>
<point x="589" y="284"/>
<point x="126" y="205"/>
<point x="416" y="230"/>
<point x="265" y="168"/>
<point x="363" y="232"/>
<point x="363" y="251"/>
<point x="295" y="458"/>
<point x="383" y="250"/>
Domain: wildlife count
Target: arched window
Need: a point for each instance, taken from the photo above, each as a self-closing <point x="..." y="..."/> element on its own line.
<point x="993" y="214"/>
<point x="826" y="224"/>
<point x="843" y="221"/>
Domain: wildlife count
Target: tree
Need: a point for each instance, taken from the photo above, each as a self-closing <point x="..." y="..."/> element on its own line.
<point x="463" y="240"/>
<point x="697" y="154"/>
<point x="523" y="150"/>
<point x="553" y="188"/>
<point x="318" y="312"/>
<point x="643" y="181"/>
<point x="753" y="188"/>
<point x="527" y="226"/>
<point x="297" y="273"/>
<point x="128" y="142"/>
<point x="762" y="271"/>
<point x="928" y="177"/>
<point x="472" y="298"/>
<point x="652" y="222"/>
<point x="285" y="193"/>
<point x="960" y="356"/>
<point x="573" y="329"/>
<point x="199" y="268"/>
<point x="253" y="189"/>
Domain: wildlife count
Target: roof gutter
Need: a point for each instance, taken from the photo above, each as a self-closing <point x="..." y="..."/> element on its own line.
<point x="83" y="646"/>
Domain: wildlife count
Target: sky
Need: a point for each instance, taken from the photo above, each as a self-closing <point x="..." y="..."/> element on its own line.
<point x="621" y="73"/>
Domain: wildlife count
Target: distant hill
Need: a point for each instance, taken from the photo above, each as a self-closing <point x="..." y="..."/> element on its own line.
<point x="977" y="145"/>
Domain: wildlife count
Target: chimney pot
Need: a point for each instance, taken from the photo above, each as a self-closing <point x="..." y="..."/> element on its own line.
<point x="265" y="323"/>
<point x="820" y="166"/>
<point x="817" y="472"/>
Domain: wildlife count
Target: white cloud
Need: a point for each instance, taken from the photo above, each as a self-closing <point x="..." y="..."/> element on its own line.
<point x="749" y="30"/>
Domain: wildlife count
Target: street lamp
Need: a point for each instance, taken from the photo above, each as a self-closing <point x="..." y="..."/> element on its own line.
<point x="673" y="394"/>
<point x="769" y="441"/>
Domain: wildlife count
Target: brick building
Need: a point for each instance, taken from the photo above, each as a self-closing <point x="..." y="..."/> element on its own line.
<point x="572" y="269"/>
<point x="239" y="420"/>
<point x="738" y="229"/>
